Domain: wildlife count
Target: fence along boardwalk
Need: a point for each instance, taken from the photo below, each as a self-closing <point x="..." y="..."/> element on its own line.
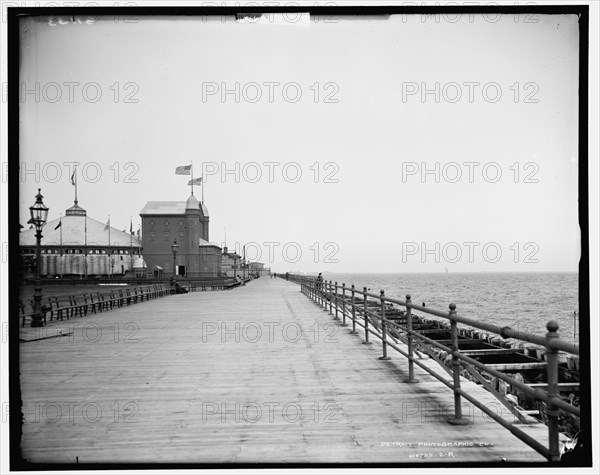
<point x="164" y="388"/>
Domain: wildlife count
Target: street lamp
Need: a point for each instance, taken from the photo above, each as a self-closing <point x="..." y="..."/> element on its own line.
<point x="174" y="249"/>
<point x="39" y="215"/>
<point x="244" y="265"/>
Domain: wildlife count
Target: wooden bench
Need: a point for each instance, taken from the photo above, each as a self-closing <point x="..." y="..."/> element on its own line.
<point x="80" y="305"/>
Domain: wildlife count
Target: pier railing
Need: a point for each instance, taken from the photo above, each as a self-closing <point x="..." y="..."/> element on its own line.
<point x="368" y="311"/>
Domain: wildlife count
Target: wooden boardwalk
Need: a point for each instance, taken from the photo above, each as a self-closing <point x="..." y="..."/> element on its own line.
<point x="255" y="374"/>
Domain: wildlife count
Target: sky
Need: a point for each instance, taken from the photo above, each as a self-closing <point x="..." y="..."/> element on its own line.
<point x="406" y="144"/>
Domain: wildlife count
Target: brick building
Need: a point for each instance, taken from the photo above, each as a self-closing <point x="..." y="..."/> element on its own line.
<point x="187" y="224"/>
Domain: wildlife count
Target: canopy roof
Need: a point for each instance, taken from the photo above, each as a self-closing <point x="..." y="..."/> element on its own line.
<point x="79" y="230"/>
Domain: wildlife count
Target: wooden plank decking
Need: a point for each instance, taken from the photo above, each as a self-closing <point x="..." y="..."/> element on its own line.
<point x="163" y="381"/>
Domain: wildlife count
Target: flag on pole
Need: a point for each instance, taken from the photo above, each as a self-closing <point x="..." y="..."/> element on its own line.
<point x="183" y="170"/>
<point x="58" y="225"/>
<point x="130" y="226"/>
<point x="107" y="226"/>
<point x="195" y="181"/>
<point x="74" y="182"/>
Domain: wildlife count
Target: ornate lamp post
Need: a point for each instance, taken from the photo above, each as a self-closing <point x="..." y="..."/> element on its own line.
<point x="174" y="249"/>
<point x="244" y="265"/>
<point x="39" y="215"/>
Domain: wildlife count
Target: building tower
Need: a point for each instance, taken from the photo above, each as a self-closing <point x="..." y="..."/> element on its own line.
<point x="187" y="222"/>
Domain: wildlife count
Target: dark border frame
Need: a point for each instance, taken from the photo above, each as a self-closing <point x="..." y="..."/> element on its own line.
<point x="17" y="463"/>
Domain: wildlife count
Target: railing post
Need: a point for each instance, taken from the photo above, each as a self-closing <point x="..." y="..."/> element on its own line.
<point x="383" y="327"/>
<point x="411" y="365"/>
<point x="336" y="302"/>
<point x="552" y="411"/>
<point x="366" y="342"/>
<point x="353" y="332"/>
<point x="458" y="418"/>
<point x="330" y="300"/>
<point x="344" y="324"/>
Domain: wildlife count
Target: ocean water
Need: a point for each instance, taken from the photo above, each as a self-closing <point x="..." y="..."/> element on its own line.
<point x="524" y="301"/>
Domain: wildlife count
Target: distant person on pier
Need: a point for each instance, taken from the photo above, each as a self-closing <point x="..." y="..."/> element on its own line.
<point x="176" y="288"/>
<point x="319" y="281"/>
<point x="179" y="289"/>
<point x="423" y="304"/>
<point x="275" y="274"/>
<point x="287" y="276"/>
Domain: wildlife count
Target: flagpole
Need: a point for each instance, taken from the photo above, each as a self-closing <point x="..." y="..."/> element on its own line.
<point x="109" y="250"/>
<point x="130" y="244"/>
<point x="62" y="264"/>
<point x="75" y="183"/>
<point x="192" y="172"/>
<point x="203" y="185"/>
<point x="85" y="247"/>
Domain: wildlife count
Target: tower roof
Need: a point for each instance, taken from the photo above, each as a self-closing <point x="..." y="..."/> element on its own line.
<point x="161" y="208"/>
<point x="192" y="203"/>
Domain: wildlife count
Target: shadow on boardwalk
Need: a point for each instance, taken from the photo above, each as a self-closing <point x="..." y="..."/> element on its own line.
<point x="256" y="374"/>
